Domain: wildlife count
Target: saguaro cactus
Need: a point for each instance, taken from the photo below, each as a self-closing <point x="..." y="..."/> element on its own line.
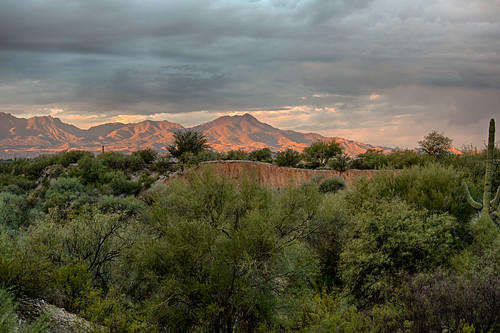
<point x="488" y="206"/>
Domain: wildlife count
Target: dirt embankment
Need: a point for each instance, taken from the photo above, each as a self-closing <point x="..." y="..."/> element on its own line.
<point x="275" y="176"/>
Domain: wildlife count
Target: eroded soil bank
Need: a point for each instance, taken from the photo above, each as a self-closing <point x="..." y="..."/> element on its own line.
<point x="274" y="176"/>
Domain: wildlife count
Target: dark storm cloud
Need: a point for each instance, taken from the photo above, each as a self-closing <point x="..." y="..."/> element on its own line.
<point x="427" y="59"/>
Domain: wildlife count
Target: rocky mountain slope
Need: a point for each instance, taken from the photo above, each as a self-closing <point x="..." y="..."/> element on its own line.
<point x="36" y="135"/>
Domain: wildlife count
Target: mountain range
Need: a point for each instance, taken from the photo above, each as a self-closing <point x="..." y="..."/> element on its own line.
<point x="38" y="135"/>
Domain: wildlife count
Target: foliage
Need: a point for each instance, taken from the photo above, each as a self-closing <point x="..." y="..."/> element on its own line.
<point x="14" y="212"/>
<point x="189" y="158"/>
<point x="8" y="316"/>
<point x="394" y="253"/>
<point x="22" y="269"/>
<point x="119" y="183"/>
<point x="261" y="155"/>
<point x="238" y="154"/>
<point x="405" y="158"/>
<point x="387" y="240"/>
<point x="148" y="156"/>
<point x="325" y="313"/>
<point x="10" y="322"/>
<point x="226" y="257"/>
<point x="333" y="184"/>
<point x="433" y="187"/>
<point x="318" y="153"/>
<point x="441" y="300"/>
<point x="372" y="159"/>
<point x="114" y="312"/>
<point x="340" y="162"/>
<point x="435" y="143"/>
<point x="92" y="237"/>
<point x="188" y="141"/>
<point x="327" y="237"/>
<point x="65" y="194"/>
<point x="288" y="158"/>
<point x="163" y="164"/>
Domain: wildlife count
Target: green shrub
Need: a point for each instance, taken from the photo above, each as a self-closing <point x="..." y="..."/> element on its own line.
<point x="319" y="152"/>
<point x="73" y="280"/>
<point x="226" y="257"/>
<point x="340" y="162"/>
<point x="71" y="157"/>
<point x="14" y="212"/>
<point x="113" y="311"/>
<point x="444" y="300"/>
<point x="148" y="156"/>
<point x="261" y="155"/>
<point x="8" y="316"/>
<point x="113" y="160"/>
<point x="372" y="159"/>
<point x="92" y="237"/>
<point x="188" y="140"/>
<point x="22" y="268"/>
<point x="10" y="321"/>
<point x="323" y="312"/>
<point x="65" y="192"/>
<point x="333" y="184"/>
<point x="288" y="158"/>
<point x="400" y="159"/>
<point x="327" y="237"/>
<point x="118" y="183"/>
<point x="387" y="239"/>
<point x="163" y="164"/>
<point x="434" y="187"/>
<point x="238" y="154"/>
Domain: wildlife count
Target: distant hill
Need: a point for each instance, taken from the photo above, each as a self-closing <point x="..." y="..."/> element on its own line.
<point x="247" y="133"/>
<point x="36" y="135"/>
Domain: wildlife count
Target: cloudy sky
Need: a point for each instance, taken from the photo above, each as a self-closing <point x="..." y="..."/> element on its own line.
<point x="384" y="72"/>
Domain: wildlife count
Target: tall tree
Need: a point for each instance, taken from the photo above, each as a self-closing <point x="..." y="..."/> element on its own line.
<point x="188" y="141"/>
<point x="435" y="143"/>
<point x="318" y="153"/>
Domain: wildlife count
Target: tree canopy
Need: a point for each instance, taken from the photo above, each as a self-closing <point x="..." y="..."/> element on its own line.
<point x="188" y="141"/>
<point x="318" y="153"/>
<point x="435" y="143"/>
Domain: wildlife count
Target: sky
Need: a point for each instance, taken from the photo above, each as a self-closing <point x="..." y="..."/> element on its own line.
<point x="384" y="72"/>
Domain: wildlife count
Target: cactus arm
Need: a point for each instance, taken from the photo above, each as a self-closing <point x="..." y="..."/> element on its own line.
<point x="472" y="202"/>
<point x="494" y="203"/>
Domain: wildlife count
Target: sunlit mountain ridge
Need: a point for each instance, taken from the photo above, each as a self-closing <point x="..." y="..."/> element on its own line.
<point x="45" y="134"/>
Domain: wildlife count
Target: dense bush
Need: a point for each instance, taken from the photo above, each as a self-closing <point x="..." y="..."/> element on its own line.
<point x="340" y="162"/>
<point x="188" y="141"/>
<point x="391" y="253"/>
<point x="261" y="155"/>
<point x="333" y="184"/>
<point x="14" y="211"/>
<point x="288" y="158"/>
<point x="375" y="159"/>
<point x="319" y="152"/>
<point x="10" y="321"/>
<point x="148" y="156"/>
<point x="441" y="300"/>
<point x="238" y="154"/>
<point x="372" y="159"/>
<point x="388" y="239"/>
<point x="434" y="187"/>
<point x="226" y="257"/>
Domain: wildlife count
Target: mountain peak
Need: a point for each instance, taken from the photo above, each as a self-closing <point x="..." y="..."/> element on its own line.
<point x="21" y="137"/>
<point x="248" y="116"/>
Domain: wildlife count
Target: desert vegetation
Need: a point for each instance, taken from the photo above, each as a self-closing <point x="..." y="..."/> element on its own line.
<point x="104" y="238"/>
